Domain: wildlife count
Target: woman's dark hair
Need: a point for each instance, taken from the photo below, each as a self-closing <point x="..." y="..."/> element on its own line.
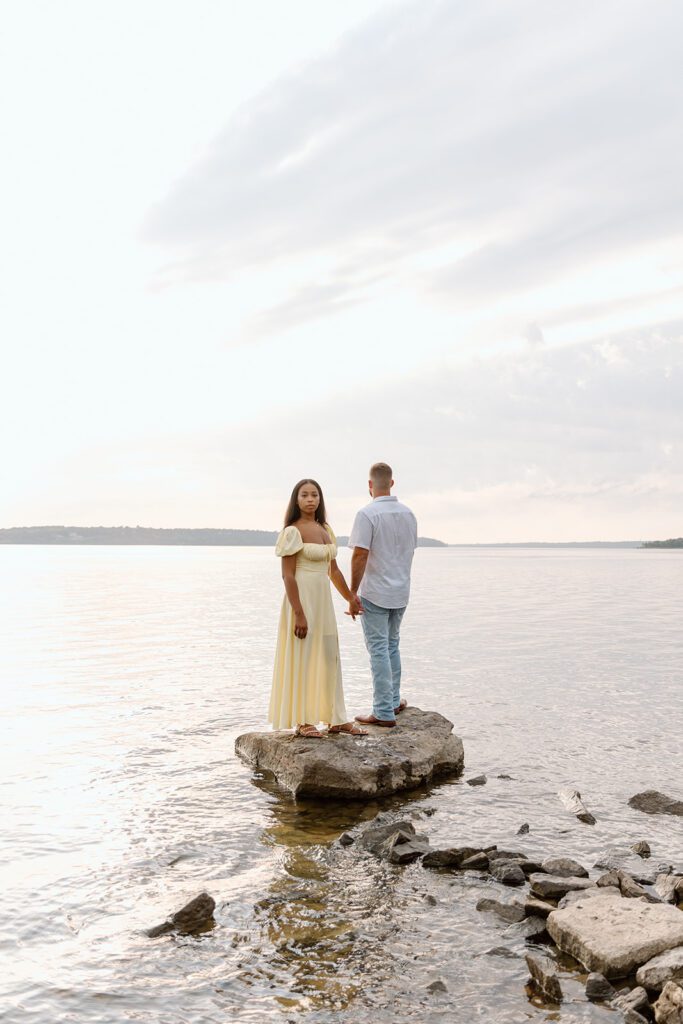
<point x="294" y="512"/>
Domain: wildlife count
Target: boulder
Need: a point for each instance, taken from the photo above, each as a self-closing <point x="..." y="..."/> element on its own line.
<point x="642" y="849"/>
<point x="530" y="928"/>
<point x="403" y="848"/>
<point x="556" y="887"/>
<point x="669" y="1006"/>
<point x="420" y="747"/>
<point x="652" y="802"/>
<point x="571" y="799"/>
<point x="510" y="912"/>
<point x="537" y="908"/>
<point x="615" y="936"/>
<point x="507" y="872"/>
<point x="543" y="970"/>
<point x="669" y="887"/>
<point x="373" y="838"/>
<point x="630" y="888"/>
<point x="565" y="867"/>
<point x="636" y="1000"/>
<point x="598" y="988"/>
<point x="664" y="967"/>
<point x="523" y="830"/>
<point x="452" y="857"/>
<point x="195" y="916"/>
<point x="588" y="894"/>
<point x="478" y="780"/>
<point x="478" y="862"/>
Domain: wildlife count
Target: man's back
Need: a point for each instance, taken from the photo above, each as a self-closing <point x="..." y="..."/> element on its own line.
<point x="388" y="530"/>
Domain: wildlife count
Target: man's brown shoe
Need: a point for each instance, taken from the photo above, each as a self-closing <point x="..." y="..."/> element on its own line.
<point x="386" y="723"/>
<point x="402" y="706"/>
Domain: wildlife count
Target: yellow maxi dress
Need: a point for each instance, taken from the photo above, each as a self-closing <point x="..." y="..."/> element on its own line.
<point x="307" y="679"/>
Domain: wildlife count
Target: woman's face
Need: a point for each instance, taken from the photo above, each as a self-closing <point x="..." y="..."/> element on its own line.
<point x="308" y="498"/>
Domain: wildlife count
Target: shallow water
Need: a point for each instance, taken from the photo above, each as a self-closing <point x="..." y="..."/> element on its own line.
<point x="127" y="673"/>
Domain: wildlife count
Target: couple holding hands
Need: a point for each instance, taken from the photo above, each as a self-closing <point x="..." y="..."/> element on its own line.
<point x="307" y="681"/>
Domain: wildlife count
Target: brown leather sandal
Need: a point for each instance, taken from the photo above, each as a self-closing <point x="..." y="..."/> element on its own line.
<point x="348" y="728"/>
<point x="308" y="732"/>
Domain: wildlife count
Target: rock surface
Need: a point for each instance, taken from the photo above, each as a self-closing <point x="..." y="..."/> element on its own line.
<point x="598" y="988"/>
<point x="652" y="802"/>
<point x="510" y="912"/>
<point x="636" y="1000"/>
<point x="615" y="936"/>
<point x="420" y="747"/>
<point x="555" y="887"/>
<point x="662" y="968"/>
<point x="565" y="867"/>
<point x="669" y="1006"/>
<point x="544" y="972"/>
<point x="195" y="916"/>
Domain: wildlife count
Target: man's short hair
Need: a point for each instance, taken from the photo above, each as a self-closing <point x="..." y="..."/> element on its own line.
<point x="381" y="474"/>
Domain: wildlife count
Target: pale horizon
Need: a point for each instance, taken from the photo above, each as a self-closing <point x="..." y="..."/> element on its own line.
<point x="246" y="244"/>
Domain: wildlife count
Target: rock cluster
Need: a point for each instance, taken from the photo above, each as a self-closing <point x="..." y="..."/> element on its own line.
<point x="422" y="746"/>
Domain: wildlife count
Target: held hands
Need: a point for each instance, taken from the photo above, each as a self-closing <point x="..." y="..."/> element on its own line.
<point x="300" y="625"/>
<point x="355" y="607"/>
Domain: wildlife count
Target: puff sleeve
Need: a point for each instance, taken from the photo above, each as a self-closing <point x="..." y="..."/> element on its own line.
<point x="333" y="537"/>
<point x="289" y="542"/>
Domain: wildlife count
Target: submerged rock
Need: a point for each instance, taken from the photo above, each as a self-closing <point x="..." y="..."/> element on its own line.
<point x="510" y="912"/>
<point x="642" y="849"/>
<point x="615" y="936"/>
<point x="420" y="747"/>
<point x="571" y="799"/>
<point x="598" y="988"/>
<point x="543" y="970"/>
<point x="653" y="802"/>
<point x="195" y="916"/>
<point x="530" y="928"/>
<point x="478" y="780"/>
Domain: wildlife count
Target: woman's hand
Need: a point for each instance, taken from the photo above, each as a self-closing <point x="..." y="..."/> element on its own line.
<point x="300" y="625"/>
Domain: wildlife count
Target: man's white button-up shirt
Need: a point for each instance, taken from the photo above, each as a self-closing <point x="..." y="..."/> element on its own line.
<point x="388" y="529"/>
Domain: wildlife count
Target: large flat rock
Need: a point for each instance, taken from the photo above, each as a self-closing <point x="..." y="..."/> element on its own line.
<point x="421" y="747"/>
<point x="615" y="936"/>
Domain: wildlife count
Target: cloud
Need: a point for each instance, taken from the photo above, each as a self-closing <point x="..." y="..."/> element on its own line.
<point x="545" y="136"/>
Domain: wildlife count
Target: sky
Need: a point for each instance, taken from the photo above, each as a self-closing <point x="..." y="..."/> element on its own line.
<point x="245" y="243"/>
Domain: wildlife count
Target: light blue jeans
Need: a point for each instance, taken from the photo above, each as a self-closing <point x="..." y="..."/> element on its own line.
<point x="381" y="628"/>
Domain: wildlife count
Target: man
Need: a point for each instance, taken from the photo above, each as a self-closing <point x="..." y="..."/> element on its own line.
<point x="383" y="538"/>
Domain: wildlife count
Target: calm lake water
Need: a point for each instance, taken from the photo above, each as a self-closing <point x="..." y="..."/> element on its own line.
<point x="127" y="673"/>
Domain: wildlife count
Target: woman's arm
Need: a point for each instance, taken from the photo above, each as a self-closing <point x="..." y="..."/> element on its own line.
<point x="337" y="577"/>
<point x="292" y="591"/>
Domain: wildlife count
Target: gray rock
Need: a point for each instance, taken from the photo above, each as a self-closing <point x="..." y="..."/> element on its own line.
<point x="588" y="894"/>
<point x="556" y="887"/>
<point x="615" y="936"/>
<point x="630" y="888"/>
<point x="420" y="747"/>
<point x="543" y="970"/>
<point x="437" y="986"/>
<point x="373" y="837"/>
<point x="529" y="867"/>
<point x="664" y="967"/>
<point x="510" y="912"/>
<point x="571" y="799"/>
<point x="195" y="916"/>
<point x="537" y="908"/>
<point x="652" y="802"/>
<point x="669" y="887"/>
<point x="669" y="1006"/>
<point x="403" y="848"/>
<point x="598" y="988"/>
<point x="496" y="854"/>
<point x="478" y="780"/>
<point x="509" y="954"/>
<point x="530" y="928"/>
<point x="636" y="1000"/>
<point x="642" y="849"/>
<point x="452" y="857"/>
<point x="346" y="839"/>
<point x="478" y="862"/>
<point x="508" y="778"/>
<point x="431" y="900"/>
<point x="633" y="1017"/>
<point x="565" y="867"/>
<point x="523" y="830"/>
<point x="506" y="872"/>
<point x="609" y="880"/>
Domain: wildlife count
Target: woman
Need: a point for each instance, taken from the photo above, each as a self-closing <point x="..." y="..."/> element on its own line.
<point x="307" y="682"/>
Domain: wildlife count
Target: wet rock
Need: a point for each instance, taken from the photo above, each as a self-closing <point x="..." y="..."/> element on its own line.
<point x="479" y="862"/>
<point x="510" y="912"/>
<point x="588" y="894"/>
<point x="616" y="857"/>
<point x="403" y="847"/>
<point x="653" y="802"/>
<point x="373" y="837"/>
<point x="503" y="951"/>
<point x="615" y="936"/>
<point x="555" y="886"/>
<point x="523" y="830"/>
<point x="543" y="970"/>
<point x="537" y="908"/>
<point x="636" y="1000"/>
<point x="452" y="857"/>
<point x="530" y="928"/>
<point x="598" y="988"/>
<point x="496" y="854"/>
<point x="571" y="799"/>
<point x="429" y="899"/>
<point x="669" y="1006"/>
<point x="529" y="867"/>
<point x="630" y="888"/>
<point x="195" y="916"/>
<point x="609" y="880"/>
<point x="437" y="986"/>
<point x="642" y="849"/>
<point x="633" y="1017"/>
<point x="508" y="778"/>
<point x="506" y="872"/>
<point x="565" y="867"/>
<point x="478" y="780"/>
<point x="421" y="746"/>
<point x="664" y="967"/>
<point x="346" y="839"/>
<point x="669" y="887"/>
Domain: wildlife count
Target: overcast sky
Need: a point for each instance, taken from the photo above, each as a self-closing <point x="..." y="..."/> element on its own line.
<point x="248" y="242"/>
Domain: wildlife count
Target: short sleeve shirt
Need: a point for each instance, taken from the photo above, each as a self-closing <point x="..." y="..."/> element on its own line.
<point x="388" y="529"/>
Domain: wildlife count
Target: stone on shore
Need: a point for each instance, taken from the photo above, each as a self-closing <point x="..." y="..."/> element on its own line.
<point x="422" y="746"/>
<point x="565" y="867"/>
<point x="662" y="968"/>
<point x="195" y="916"/>
<point x="452" y="857"/>
<point x="543" y="970"/>
<point x="652" y="802"/>
<point x="636" y="1000"/>
<point x="615" y="936"/>
<point x="507" y="872"/>
<point x="555" y="887"/>
<point x="669" y="887"/>
<point x="598" y="988"/>
<point x="669" y="1006"/>
<point x="587" y="894"/>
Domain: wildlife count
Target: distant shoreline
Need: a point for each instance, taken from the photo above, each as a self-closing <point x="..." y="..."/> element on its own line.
<point x="178" y="537"/>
